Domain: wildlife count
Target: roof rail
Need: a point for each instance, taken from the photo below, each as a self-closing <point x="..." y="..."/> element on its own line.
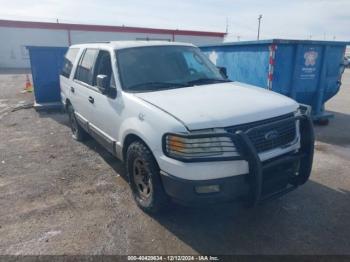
<point x="95" y="42"/>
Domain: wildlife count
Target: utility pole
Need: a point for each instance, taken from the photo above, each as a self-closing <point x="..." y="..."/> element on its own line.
<point x="226" y="25"/>
<point x="259" y="19"/>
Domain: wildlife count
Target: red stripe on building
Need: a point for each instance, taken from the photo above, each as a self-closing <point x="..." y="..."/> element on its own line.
<point x="105" y="28"/>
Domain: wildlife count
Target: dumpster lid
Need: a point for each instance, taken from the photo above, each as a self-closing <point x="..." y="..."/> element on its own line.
<point x="281" y="41"/>
<point x="32" y="47"/>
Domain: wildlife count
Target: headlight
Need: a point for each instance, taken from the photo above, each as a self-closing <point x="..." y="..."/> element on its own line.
<point x="304" y="109"/>
<point x="203" y="147"/>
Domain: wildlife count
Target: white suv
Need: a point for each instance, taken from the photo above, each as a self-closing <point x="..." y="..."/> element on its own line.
<point x="184" y="131"/>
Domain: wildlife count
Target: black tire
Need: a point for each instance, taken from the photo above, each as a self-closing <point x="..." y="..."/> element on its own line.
<point x="78" y="133"/>
<point x="144" y="178"/>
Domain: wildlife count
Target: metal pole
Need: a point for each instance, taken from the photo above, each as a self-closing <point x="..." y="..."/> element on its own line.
<point x="259" y="19"/>
<point x="226" y="25"/>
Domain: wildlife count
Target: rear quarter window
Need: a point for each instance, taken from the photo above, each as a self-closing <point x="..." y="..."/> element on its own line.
<point x="84" y="72"/>
<point x="68" y="62"/>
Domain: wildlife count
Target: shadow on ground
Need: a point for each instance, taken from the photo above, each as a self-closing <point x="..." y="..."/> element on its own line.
<point x="111" y="160"/>
<point x="302" y="222"/>
<point x="57" y="115"/>
<point x="337" y="131"/>
<point x="67" y="187"/>
<point x="314" y="219"/>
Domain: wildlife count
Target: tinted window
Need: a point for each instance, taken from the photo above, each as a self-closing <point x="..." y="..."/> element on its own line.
<point x="160" y="67"/>
<point x="68" y="62"/>
<point x="103" y="67"/>
<point x="85" y="68"/>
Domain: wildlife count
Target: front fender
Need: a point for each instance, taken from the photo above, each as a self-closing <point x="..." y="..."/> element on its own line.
<point x="147" y="122"/>
<point x="142" y="129"/>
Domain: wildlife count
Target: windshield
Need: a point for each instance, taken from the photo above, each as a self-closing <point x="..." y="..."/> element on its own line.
<point x="154" y="68"/>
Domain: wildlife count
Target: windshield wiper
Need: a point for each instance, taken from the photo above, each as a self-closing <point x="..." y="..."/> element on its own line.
<point x="155" y="85"/>
<point x="207" y="80"/>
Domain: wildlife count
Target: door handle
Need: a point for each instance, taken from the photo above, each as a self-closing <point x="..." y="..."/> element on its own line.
<point x="72" y="89"/>
<point x="91" y="99"/>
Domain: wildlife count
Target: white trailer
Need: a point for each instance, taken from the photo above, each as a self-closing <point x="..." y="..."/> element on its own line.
<point x="16" y="35"/>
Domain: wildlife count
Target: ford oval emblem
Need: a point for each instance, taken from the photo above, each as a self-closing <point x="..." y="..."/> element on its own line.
<point x="273" y="134"/>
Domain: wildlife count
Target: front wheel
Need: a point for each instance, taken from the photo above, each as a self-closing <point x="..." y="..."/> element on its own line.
<point x="144" y="178"/>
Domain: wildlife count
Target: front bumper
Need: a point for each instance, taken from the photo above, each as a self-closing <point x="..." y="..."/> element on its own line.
<point x="183" y="191"/>
<point x="265" y="180"/>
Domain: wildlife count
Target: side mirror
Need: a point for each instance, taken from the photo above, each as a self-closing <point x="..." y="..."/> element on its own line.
<point x="102" y="83"/>
<point x="223" y="71"/>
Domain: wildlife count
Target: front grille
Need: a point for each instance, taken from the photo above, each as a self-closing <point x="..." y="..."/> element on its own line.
<point x="270" y="133"/>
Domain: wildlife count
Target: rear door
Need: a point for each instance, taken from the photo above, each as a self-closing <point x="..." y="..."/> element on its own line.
<point x="80" y="89"/>
<point x="65" y="76"/>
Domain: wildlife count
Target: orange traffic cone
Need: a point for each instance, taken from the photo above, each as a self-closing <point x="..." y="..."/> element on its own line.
<point x="28" y="86"/>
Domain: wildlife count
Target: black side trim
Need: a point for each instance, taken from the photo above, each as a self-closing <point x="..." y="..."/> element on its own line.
<point x="104" y="140"/>
<point x="83" y="122"/>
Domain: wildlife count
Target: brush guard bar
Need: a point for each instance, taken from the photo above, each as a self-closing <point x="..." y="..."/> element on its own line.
<point x="247" y="152"/>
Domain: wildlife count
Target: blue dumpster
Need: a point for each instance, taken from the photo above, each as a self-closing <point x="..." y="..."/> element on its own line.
<point x="305" y="70"/>
<point x="46" y="64"/>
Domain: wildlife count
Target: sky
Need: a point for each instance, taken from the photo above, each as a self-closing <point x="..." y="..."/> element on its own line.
<point x="293" y="19"/>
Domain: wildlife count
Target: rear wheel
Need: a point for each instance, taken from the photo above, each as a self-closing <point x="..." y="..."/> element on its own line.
<point x="78" y="133"/>
<point x="144" y="178"/>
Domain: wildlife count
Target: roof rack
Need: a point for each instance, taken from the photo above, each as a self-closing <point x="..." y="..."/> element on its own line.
<point x="96" y="42"/>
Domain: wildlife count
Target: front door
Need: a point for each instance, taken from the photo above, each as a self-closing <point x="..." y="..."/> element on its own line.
<point x="106" y="109"/>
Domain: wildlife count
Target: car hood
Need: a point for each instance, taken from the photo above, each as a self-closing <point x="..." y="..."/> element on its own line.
<point x="220" y="105"/>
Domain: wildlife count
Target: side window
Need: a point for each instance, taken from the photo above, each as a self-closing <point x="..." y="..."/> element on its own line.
<point x="103" y="67"/>
<point x="68" y="62"/>
<point x="84" y="71"/>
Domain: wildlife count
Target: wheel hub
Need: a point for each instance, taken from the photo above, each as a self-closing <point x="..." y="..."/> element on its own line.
<point x="142" y="179"/>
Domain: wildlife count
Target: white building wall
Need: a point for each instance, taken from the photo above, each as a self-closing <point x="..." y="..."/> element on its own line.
<point x="13" y="53"/>
<point x="199" y="40"/>
<point x="89" y="36"/>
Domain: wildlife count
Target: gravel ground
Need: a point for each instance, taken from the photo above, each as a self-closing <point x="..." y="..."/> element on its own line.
<point x="58" y="196"/>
